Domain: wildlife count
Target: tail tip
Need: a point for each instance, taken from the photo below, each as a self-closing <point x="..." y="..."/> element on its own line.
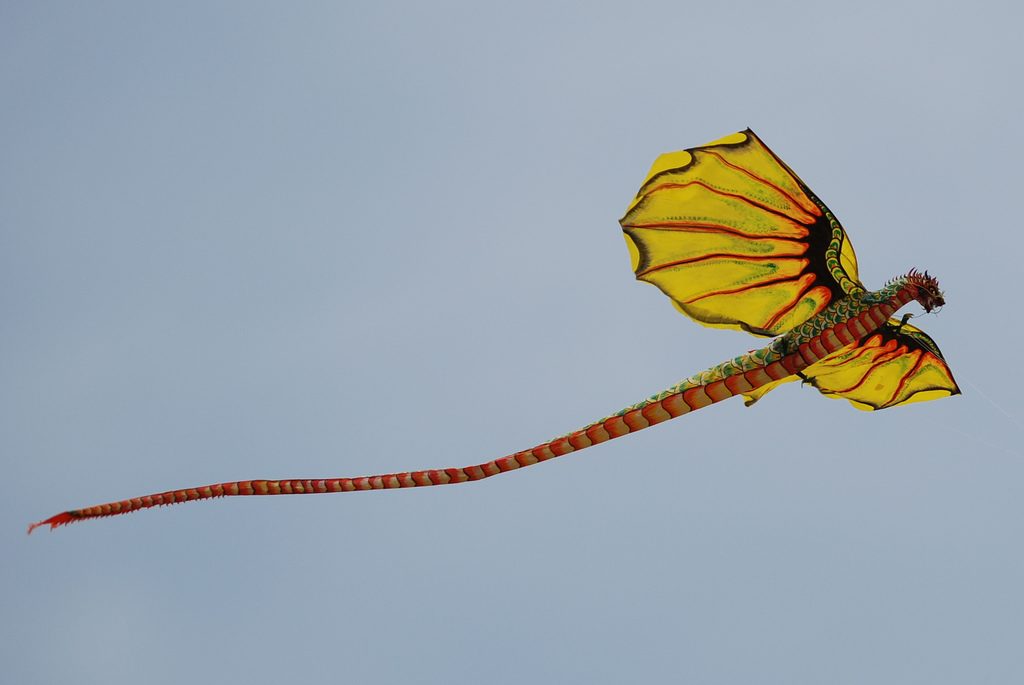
<point x="54" y="521"/>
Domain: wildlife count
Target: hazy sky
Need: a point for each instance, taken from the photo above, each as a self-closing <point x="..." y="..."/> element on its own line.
<point x="283" y="240"/>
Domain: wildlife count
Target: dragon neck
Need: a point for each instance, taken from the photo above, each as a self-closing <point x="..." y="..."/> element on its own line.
<point x="859" y="312"/>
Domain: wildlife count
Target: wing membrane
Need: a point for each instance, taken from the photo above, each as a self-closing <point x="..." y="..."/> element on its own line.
<point x="896" y="365"/>
<point x="736" y="239"/>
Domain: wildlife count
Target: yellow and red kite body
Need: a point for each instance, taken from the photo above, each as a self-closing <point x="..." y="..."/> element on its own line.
<point x="736" y="240"/>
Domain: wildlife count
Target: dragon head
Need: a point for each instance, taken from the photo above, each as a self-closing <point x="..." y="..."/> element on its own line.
<point x="925" y="289"/>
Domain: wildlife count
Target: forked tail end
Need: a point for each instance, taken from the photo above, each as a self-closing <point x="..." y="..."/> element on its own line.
<point x="61" y="519"/>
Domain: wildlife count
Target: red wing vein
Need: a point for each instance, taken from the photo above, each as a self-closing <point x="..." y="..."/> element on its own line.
<point x="745" y="258"/>
<point x="908" y="375"/>
<point x="882" y="359"/>
<point x="697" y="227"/>
<point x="789" y="306"/>
<point x="744" y="198"/>
<point x="761" y="180"/>
<point x="765" y="284"/>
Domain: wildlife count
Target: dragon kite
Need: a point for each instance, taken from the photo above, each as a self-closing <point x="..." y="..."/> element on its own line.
<point x="736" y="240"/>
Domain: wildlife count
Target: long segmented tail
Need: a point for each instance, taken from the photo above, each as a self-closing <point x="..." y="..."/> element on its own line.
<point x="843" y="323"/>
<point x="714" y="385"/>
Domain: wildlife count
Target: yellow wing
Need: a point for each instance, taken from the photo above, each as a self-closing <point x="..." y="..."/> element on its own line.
<point x="898" y="364"/>
<point x="736" y="239"/>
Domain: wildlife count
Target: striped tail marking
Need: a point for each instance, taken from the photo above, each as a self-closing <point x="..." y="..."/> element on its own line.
<point x="681" y="399"/>
<point x="725" y="381"/>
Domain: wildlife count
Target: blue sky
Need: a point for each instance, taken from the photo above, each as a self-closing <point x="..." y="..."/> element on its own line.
<point x="309" y="240"/>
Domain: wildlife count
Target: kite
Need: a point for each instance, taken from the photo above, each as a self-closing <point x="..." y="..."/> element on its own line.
<point x="736" y="240"/>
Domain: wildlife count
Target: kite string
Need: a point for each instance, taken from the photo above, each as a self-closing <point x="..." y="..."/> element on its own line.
<point x="1005" y="413"/>
<point x="976" y="438"/>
